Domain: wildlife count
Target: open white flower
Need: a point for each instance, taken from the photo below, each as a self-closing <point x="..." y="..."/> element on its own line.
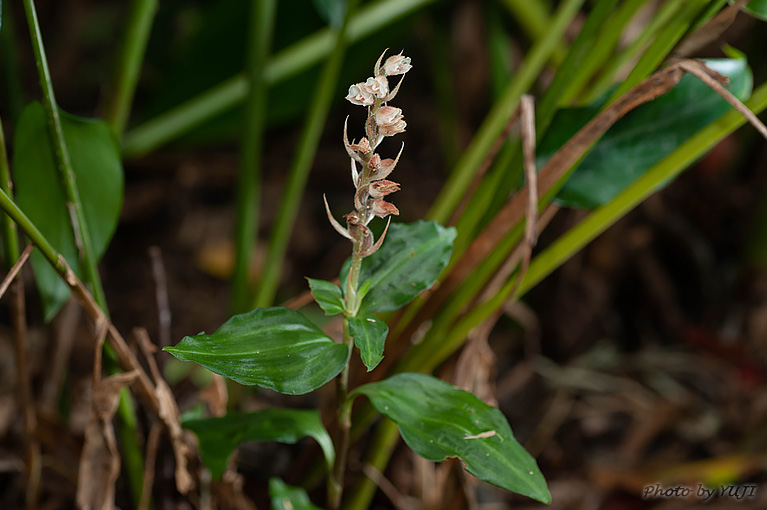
<point x="358" y="94"/>
<point x="397" y="64"/>
<point x="390" y="121"/>
<point x="377" y="86"/>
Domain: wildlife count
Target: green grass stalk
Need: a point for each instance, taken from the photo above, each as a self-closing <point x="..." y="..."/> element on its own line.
<point x="661" y="46"/>
<point x="607" y="76"/>
<point x="249" y="177"/>
<point x="79" y="226"/>
<point x="132" y="455"/>
<point x="598" y="221"/>
<point x="132" y="50"/>
<point x="472" y="158"/>
<point x="602" y="49"/>
<point x="535" y="19"/>
<point x="298" y="57"/>
<point x="580" y="53"/>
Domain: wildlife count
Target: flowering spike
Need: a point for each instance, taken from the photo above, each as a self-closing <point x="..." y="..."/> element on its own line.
<point x="341" y="230"/>
<point x="370" y="178"/>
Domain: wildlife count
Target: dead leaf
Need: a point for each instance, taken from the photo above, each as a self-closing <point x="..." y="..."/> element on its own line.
<point x="100" y="459"/>
<point x="168" y="413"/>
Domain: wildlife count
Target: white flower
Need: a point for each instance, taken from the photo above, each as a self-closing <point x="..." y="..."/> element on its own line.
<point x="358" y="94"/>
<point x="388" y="115"/>
<point x="377" y="86"/>
<point x="397" y="64"/>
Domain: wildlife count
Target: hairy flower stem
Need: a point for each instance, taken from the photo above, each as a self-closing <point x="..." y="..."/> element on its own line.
<point x="335" y="487"/>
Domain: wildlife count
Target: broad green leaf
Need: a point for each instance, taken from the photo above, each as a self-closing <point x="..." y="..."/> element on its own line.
<point x="40" y="194"/>
<point x="642" y="138"/>
<point x="328" y="295"/>
<point x="758" y="8"/>
<point x="410" y="260"/>
<point x="218" y="437"/>
<point x="275" y="348"/>
<point x="369" y="334"/>
<point x="285" y="497"/>
<point x="437" y="420"/>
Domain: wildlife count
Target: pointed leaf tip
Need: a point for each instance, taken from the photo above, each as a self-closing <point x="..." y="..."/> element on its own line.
<point x="438" y="420"/>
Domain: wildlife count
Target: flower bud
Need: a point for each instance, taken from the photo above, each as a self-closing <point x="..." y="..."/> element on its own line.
<point x="377" y="86"/>
<point x="358" y="94"/>
<point x="382" y="188"/>
<point x="390" y="121"/>
<point x="375" y="162"/>
<point x="387" y="166"/>
<point x="393" y="129"/>
<point x="397" y="64"/>
<point x="388" y="115"/>
<point x="382" y="208"/>
<point x="363" y="146"/>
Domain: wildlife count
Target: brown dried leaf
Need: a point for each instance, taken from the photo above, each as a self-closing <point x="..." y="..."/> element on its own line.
<point x="168" y="413"/>
<point x="100" y="459"/>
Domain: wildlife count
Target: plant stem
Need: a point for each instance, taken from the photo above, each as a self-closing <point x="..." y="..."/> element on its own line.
<point x="336" y="483"/>
<point x="74" y="205"/>
<point x="580" y="53"/>
<point x="549" y="260"/>
<point x="603" y="48"/>
<point x="535" y="19"/>
<point x="378" y="456"/>
<point x="661" y="46"/>
<point x="132" y="455"/>
<point x="132" y="51"/>
<point x="23" y="378"/>
<point x="598" y="221"/>
<point x="249" y="177"/>
<point x="302" y="164"/>
<point x="499" y="114"/>
<point x="124" y="354"/>
<point x="298" y="57"/>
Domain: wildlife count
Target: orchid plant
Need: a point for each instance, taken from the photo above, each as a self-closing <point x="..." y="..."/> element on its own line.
<point x="280" y="349"/>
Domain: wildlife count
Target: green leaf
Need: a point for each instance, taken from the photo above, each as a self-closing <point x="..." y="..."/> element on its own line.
<point x="758" y="8"/>
<point x="369" y="334"/>
<point x="285" y="497"/>
<point x="410" y="260"/>
<point x="218" y="437"/>
<point x="328" y="295"/>
<point x="275" y="348"/>
<point x="437" y="420"/>
<point x="95" y="157"/>
<point x="642" y="138"/>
